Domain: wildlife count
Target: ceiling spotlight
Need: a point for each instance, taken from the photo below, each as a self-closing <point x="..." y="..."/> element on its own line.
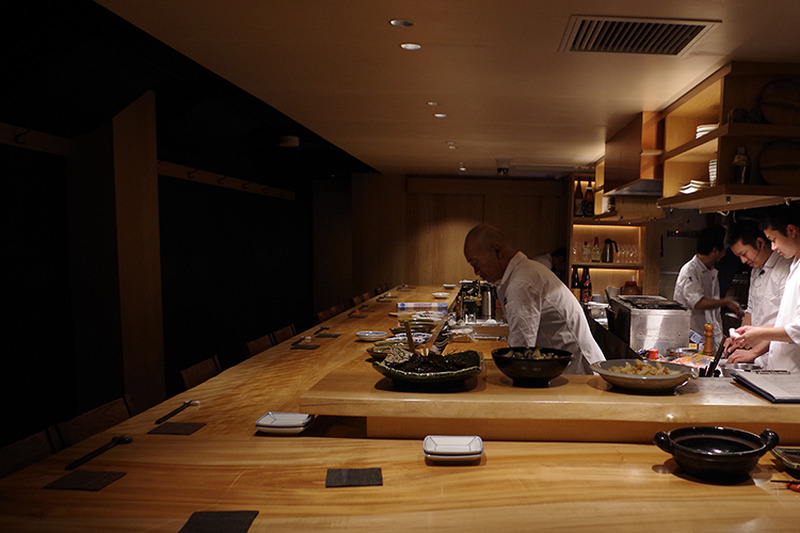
<point x="401" y="23"/>
<point x="410" y="46"/>
<point x="433" y="103"/>
<point x="440" y="115"/>
<point x="461" y="167"/>
<point x="503" y="165"/>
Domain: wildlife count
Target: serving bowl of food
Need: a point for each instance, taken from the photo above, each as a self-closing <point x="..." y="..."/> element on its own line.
<point x="405" y="367"/>
<point x="531" y="366"/>
<point x="715" y="452"/>
<point x="643" y="376"/>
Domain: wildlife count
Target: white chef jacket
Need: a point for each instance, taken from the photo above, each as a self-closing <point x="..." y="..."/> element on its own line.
<point x="694" y="282"/>
<point x="542" y="311"/>
<point x="786" y="355"/>
<point x="766" y="289"/>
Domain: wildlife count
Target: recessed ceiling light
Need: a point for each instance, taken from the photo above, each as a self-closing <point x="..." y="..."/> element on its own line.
<point x="461" y="167"/>
<point x="440" y="115"/>
<point x="410" y="46"/>
<point x="402" y="23"/>
<point x="434" y="103"/>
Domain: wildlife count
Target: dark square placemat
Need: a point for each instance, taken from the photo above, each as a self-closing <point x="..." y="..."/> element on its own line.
<point x="356" y="316"/>
<point x="85" y="480"/>
<point x="305" y="346"/>
<point x="353" y="477"/>
<point x="328" y="335"/>
<point x="177" y="428"/>
<point x="218" y="521"/>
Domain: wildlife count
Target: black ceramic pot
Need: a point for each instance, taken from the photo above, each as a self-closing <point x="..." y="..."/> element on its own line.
<point x="527" y="372"/>
<point x="716" y="453"/>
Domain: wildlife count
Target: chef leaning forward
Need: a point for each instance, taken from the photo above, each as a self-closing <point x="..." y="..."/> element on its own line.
<point x="539" y="308"/>
<point x="781" y="225"/>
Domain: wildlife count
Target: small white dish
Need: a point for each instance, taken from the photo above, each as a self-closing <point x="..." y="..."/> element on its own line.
<point x="281" y="431"/>
<point x="371" y="335"/>
<point x="449" y="286"/>
<point x="452" y="445"/>
<point x="441" y="295"/>
<point x="454" y="458"/>
<point x="284" y="420"/>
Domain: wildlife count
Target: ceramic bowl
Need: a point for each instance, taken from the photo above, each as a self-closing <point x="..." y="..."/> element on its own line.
<point x="528" y="372"/>
<point x="634" y="383"/>
<point x="371" y="335"/>
<point x="714" y="452"/>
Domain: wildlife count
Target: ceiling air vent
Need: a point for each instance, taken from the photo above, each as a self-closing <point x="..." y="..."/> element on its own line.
<point x="621" y="35"/>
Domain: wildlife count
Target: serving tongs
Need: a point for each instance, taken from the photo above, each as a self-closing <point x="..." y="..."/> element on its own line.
<point x="709" y="372"/>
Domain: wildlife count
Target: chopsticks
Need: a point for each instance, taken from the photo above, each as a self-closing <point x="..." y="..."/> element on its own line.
<point x="105" y="447"/>
<point x="176" y="411"/>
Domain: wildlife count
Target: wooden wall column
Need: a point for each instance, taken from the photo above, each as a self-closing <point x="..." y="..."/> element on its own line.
<point x="136" y="189"/>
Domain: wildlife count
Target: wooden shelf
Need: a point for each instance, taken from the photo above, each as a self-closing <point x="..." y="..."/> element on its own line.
<point x="732" y="196"/>
<point x="610" y="266"/>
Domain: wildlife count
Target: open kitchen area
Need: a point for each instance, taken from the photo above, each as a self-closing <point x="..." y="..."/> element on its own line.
<point x="276" y="267"/>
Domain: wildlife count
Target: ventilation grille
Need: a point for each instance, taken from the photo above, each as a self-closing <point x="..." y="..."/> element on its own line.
<point x="618" y="35"/>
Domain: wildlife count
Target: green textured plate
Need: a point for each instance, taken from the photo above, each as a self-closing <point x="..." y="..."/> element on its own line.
<point x="470" y="357"/>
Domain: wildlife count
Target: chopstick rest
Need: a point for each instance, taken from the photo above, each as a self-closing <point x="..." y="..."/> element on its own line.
<point x="122" y="439"/>
<point x="353" y="477"/>
<point x="176" y="411"/>
<point x="177" y="428"/>
<point x="85" y="480"/>
<point x="213" y="521"/>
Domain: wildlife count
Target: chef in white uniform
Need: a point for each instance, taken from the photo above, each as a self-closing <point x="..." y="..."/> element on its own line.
<point x="539" y="308"/>
<point x="697" y="285"/>
<point x="768" y="273"/>
<point x="781" y="226"/>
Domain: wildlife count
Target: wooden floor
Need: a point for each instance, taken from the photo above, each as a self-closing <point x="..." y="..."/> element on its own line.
<point x="227" y="465"/>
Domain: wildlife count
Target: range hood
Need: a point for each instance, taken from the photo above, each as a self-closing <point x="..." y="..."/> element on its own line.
<point x="640" y="187"/>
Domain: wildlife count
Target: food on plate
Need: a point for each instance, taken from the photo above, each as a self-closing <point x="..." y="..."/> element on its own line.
<point x="531" y="353"/>
<point x="640" y="368"/>
<point x="402" y="359"/>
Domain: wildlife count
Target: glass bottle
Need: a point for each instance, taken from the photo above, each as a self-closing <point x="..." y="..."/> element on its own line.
<point x="741" y="166"/>
<point x="596" y="252"/>
<point x="575" y="284"/>
<point x="588" y="202"/>
<point x="577" y="209"/>
<point x="586" y="286"/>
<point x="586" y="253"/>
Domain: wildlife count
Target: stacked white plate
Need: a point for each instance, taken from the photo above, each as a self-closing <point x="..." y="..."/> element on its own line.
<point x="371" y="336"/>
<point x="275" y="423"/>
<point x="694" y="186"/>
<point x="703" y="129"/>
<point x="452" y="448"/>
<point x="441" y="295"/>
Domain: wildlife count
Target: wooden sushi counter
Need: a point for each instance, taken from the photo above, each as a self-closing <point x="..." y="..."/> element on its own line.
<point x="553" y="481"/>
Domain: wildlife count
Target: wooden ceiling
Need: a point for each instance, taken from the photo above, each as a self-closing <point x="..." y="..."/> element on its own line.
<point x="337" y="68"/>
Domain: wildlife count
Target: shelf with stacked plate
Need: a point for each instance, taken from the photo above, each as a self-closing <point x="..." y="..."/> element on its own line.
<point x="733" y="113"/>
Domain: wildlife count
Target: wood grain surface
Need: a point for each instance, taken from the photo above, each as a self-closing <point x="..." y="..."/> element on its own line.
<point x="227" y="465"/>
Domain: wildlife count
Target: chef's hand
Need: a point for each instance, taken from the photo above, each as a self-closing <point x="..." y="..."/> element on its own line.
<point x="742" y="356"/>
<point x="734" y="306"/>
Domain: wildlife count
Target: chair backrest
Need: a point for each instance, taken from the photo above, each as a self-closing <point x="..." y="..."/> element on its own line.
<point x="200" y="372"/>
<point x="286" y="332"/>
<point x="91" y="422"/>
<point x="336" y="309"/>
<point x="27" y="451"/>
<point x="324" y="315"/>
<point x="260" y="344"/>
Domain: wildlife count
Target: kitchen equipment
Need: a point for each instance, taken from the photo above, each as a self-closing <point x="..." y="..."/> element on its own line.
<point x="526" y="370"/>
<point x="716" y="453"/>
<point x="630" y="288"/>
<point x="487" y="301"/>
<point x="649" y="322"/>
<point x="727" y="368"/>
<point x="608" y="251"/>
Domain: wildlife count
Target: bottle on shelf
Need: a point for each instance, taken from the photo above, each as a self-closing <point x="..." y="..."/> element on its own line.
<point x="586" y="286"/>
<point x="588" y="201"/>
<point x="595" y="253"/>
<point x="575" y="284"/>
<point x="741" y="166"/>
<point x="586" y="253"/>
<point x="578" y="201"/>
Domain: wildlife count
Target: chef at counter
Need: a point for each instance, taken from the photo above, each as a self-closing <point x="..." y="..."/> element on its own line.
<point x="539" y="308"/>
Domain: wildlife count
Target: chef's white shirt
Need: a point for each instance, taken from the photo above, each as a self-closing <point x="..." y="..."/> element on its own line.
<point x="766" y="289"/>
<point x="542" y="311"/>
<point x="786" y="355"/>
<point x="695" y="281"/>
